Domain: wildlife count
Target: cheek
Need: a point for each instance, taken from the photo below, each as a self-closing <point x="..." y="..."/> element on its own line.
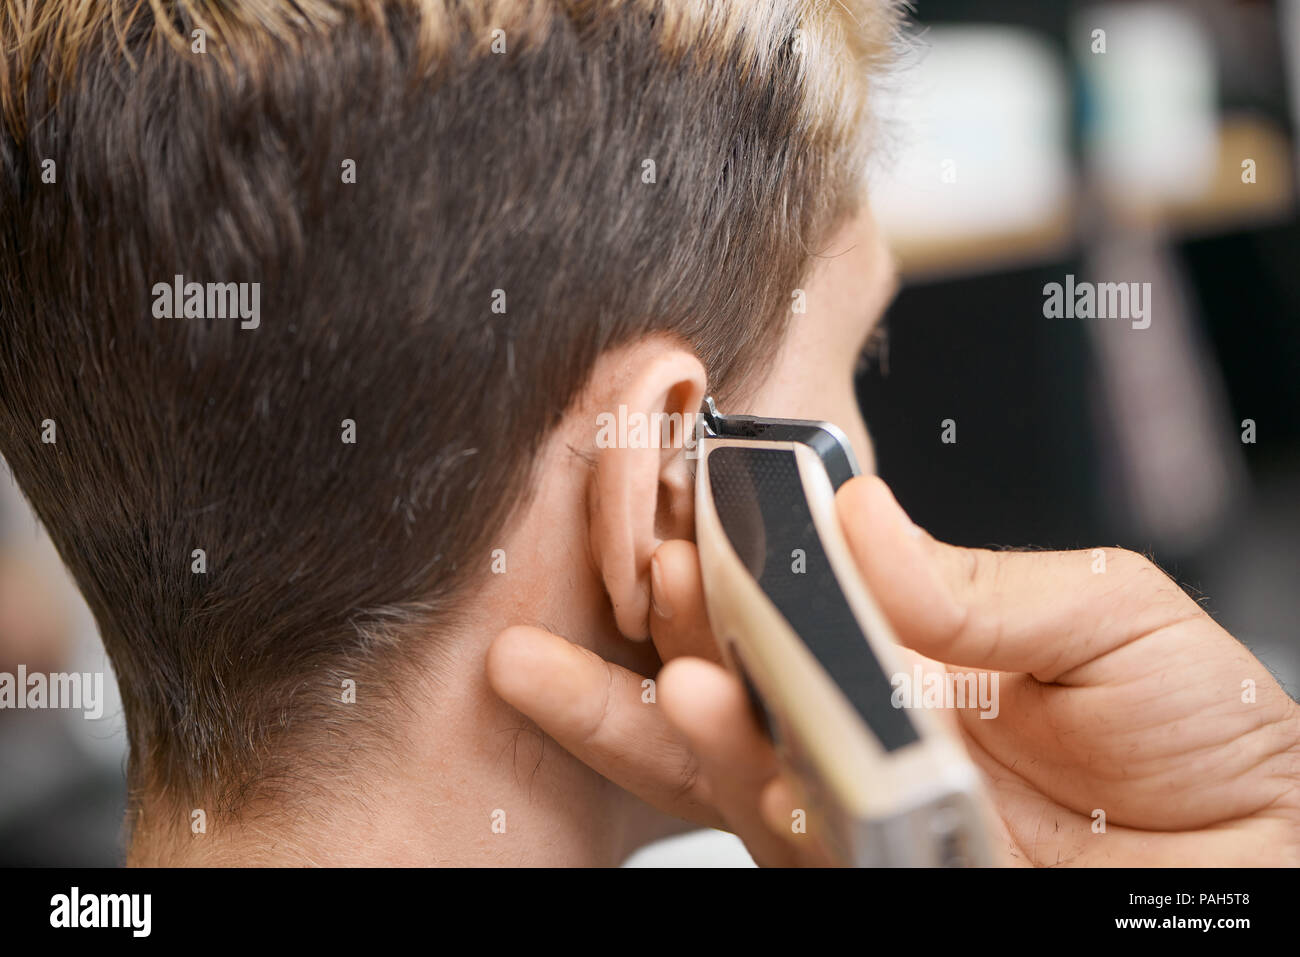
<point x="840" y="406"/>
<point x="812" y="378"/>
<point x="859" y="435"/>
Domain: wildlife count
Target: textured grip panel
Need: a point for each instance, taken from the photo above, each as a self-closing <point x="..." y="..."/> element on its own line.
<point x="764" y="512"/>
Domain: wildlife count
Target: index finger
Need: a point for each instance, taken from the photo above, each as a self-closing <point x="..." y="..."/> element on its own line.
<point x="602" y="714"/>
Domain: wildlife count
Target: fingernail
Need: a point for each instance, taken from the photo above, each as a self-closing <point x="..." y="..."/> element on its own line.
<point x="658" y="598"/>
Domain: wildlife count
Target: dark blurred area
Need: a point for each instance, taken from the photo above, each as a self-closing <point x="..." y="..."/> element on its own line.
<point x="1085" y="432"/>
<point x="1026" y="141"/>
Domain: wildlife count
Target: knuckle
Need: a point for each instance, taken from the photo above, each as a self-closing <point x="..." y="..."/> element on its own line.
<point x="1141" y="573"/>
<point x="1135" y="563"/>
<point x="689" y="779"/>
<point x="597" y="716"/>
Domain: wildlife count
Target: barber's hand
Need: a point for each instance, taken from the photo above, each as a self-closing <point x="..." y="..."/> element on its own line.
<point x="1121" y="704"/>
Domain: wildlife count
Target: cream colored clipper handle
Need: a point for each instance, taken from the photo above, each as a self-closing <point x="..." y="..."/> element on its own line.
<point x="884" y="785"/>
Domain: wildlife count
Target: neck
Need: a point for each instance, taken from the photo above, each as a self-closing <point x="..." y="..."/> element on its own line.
<point x="463" y="779"/>
<point x="473" y="783"/>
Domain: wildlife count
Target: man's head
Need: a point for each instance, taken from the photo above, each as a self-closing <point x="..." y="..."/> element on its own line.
<point x="466" y="227"/>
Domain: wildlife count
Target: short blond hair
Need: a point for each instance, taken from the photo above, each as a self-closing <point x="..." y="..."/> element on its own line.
<point x="474" y="172"/>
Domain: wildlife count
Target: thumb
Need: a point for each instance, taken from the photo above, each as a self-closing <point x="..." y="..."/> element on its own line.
<point x="1045" y="613"/>
<point x="898" y="566"/>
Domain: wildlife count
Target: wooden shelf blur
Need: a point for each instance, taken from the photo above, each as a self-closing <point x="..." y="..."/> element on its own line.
<point x="1228" y="204"/>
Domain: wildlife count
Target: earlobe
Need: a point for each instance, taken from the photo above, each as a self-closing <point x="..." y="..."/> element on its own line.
<point x="641" y="489"/>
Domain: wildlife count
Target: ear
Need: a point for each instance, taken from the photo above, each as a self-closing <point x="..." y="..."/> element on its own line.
<point x="642" y="489"/>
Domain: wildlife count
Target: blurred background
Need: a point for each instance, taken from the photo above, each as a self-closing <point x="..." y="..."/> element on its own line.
<point x="1023" y="142"/>
<point x="1141" y="142"/>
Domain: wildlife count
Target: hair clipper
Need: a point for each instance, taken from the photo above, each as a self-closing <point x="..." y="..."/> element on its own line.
<point x="883" y="786"/>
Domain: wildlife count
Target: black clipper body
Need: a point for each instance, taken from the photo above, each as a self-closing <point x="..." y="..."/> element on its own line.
<point x="884" y="786"/>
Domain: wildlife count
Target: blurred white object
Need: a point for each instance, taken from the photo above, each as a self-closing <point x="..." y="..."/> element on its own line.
<point x="1151" y="106"/>
<point x="693" y="849"/>
<point x="981" y="124"/>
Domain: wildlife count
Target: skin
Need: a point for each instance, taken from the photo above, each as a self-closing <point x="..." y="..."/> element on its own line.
<point x="1118" y="693"/>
